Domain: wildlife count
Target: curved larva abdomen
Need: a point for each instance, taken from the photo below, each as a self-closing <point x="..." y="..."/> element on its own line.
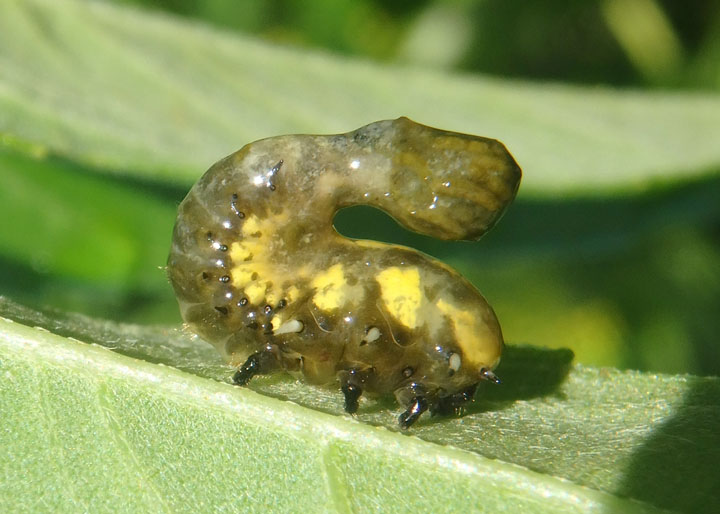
<point x="260" y="272"/>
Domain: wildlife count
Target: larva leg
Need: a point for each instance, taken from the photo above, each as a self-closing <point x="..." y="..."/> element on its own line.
<point x="453" y="404"/>
<point x="417" y="398"/>
<point x="418" y="405"/>
<point x="352" y="394"/>
<point x="351" y="384"/>
<point x="259" y="363"/>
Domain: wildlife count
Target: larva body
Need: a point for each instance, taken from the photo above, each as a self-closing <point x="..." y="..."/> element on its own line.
<point x="260" y="271"/>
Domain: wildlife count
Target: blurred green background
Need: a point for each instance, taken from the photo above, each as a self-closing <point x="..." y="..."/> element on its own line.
<point x="645" y="43"/>
<point x="626" y="273"/>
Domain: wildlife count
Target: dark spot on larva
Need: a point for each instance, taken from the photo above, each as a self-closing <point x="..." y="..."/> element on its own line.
<point x="281" y="304"/>
<point x="209" y="236"/>
<point x="254" y="276"/>
<point x="205" y="275"/>
<point x="225" y="279"/>
<point x="243" y="302"/>
<point x="252" y="325"/>
<point x="267" y="328"/>
<point x="408" y="372"/>
<point x="360" y="137"/>
<point x="233" y="206"/>
<point x="222" y="310"/>
<point x="223" y="248"/>
<point x="363" y="342"/>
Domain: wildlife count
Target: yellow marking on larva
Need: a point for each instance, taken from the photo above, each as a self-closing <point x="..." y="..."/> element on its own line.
<point x="293" y="293"/>
<point x="366" y="243"/>
<point x="400" y="289"/>
<point x="250" y="259"/>
<point x="241" y="276"/>
<point x="277" y="321"/>
<point x="330" y="288"/>
<point x="255" y="292"/>
<point x="479" y="345"/>
<point x="272" y="297"/>
<point x="251" y="225"/>
<point x="243" y="250"/>
<point x="239" y="252"/>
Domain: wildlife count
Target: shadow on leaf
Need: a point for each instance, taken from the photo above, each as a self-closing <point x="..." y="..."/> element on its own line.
<point x="678" y="467"/>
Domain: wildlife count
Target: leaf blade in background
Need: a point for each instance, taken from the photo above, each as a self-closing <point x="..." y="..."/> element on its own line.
<point x="89" y="242"/>
<point x="157" y="96"/>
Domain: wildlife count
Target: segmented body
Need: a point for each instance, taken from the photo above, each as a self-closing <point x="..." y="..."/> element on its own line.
<point x="260" y="272"/>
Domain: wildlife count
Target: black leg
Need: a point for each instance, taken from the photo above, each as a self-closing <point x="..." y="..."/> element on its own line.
<point x="352" y="394"/>
<point x="351" y="384"/>
<point x="258" y="363"/>
<point x="248" y="370"/>
<point x="418" y="405"/>
<point x="453" y="404"/>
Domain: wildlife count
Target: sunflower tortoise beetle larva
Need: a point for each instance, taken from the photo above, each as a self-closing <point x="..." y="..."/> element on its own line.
<point x="260" y="272"/>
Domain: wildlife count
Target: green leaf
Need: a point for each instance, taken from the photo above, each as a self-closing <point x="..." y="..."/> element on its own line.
<point x="97" y="244"/>
<point x="65" y="209"/>
<point x="106" y="431"/>
<point x="160" y="97"/>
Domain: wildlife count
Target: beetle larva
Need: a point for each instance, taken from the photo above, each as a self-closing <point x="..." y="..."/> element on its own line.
<point x="260" y="271"/>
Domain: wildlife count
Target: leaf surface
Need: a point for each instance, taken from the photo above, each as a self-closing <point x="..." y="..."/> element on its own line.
<point x="552" y="437"/>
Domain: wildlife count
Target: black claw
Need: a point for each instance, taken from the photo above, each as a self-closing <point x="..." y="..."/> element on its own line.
<point x="418" y="405"/>
<point x="248" y="370"/>
<point x="352" y="394"/>
<point x="454" y="403"/>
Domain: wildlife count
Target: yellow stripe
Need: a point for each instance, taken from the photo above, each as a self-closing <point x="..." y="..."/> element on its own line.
<point x="480" y="346"/>
<point x="400" y="290"/>
<point x="330" y="288"/>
